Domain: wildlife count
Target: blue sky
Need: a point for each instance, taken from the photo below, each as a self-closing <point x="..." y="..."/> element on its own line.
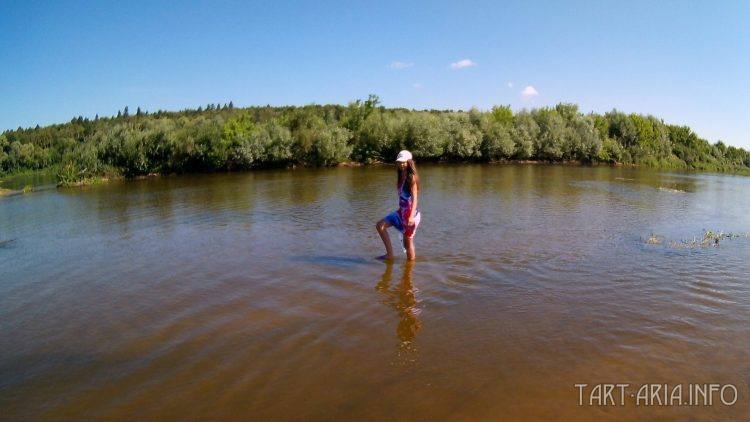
<point x="686" y="62"/>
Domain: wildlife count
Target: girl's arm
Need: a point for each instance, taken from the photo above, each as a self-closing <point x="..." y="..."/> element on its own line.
<point x="415" y="202"/>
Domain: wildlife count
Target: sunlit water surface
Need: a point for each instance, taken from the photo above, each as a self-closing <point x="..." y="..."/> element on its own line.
<point x="256" y="296"/>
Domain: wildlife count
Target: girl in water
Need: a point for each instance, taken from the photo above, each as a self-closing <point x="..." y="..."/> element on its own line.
<point x="406" y="218"/>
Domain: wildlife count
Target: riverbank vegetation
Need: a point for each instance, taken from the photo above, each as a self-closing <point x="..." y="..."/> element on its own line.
<point x="226" y="138"/>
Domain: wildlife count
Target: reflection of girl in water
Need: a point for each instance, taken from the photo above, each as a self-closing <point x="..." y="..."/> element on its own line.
<point x="404" y="300"/>
<point x="406" y="218"/>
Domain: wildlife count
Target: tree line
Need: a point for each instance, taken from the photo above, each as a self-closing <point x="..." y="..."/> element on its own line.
<point x="225" y="138"/>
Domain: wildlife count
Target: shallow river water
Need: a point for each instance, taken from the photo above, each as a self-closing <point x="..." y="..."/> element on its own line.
<point x="255" y="296"/>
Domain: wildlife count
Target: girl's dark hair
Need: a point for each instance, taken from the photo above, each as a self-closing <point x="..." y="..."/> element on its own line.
<point x="411" y="176"/>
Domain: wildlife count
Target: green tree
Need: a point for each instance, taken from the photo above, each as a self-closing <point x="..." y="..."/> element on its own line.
<point x="525" y="134"/>
<point x="4" y="146"/>
<point x="26" y="155"/>
<point x="687" y="146"/>
<point x="551" y="134"/>
<point x="358" y="111"/>
<point x="279" y="149"/>
<point x="503" y="115"/>
<point x="376" y="137"/>
<point x="496" y="137"/>
<point x="568" y="112"/>
<point x="610" y="152"/>
<point x="425" y="134"/>
<point x="584" y="142"/>
<point x="621" y="128"/>
<point x="332" y="145"/>
<point x="465" y="139"/>
<point x="238" y="151"/>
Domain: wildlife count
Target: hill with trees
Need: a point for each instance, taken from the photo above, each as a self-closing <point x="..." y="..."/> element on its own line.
<point x="226" y="138"/>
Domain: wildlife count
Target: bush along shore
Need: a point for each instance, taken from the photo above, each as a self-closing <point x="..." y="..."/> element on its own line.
<point x="226" y="138"/>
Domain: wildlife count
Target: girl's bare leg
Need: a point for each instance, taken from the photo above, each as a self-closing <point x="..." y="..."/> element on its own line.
<point x="411" y="254"/>
<point x="382" y="227"/>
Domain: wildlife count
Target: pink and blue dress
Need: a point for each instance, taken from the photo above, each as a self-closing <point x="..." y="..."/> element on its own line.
<point x="400" y="217"/>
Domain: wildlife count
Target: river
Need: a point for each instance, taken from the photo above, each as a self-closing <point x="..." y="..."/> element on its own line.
<point x="256" y="296"/>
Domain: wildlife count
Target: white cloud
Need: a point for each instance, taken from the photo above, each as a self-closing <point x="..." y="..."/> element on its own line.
<point x="401" y="65"/>
<point x="529" y="92"/>
<point x="510" y="84"/>
<point x="462" y="64"/>
<point x="417" y="85"/>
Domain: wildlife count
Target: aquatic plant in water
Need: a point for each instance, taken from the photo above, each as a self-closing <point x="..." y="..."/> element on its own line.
<point x="655" y="239"/>
<point x="709" y="239"/>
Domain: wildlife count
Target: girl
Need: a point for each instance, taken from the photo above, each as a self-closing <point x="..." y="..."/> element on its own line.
<point x="406" y="218"/>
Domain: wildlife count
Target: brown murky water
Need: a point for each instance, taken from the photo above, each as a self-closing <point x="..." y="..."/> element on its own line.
<point x="256" y="296"/>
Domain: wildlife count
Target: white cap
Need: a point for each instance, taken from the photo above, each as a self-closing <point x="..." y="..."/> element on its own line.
<point x="403" y="156"/>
